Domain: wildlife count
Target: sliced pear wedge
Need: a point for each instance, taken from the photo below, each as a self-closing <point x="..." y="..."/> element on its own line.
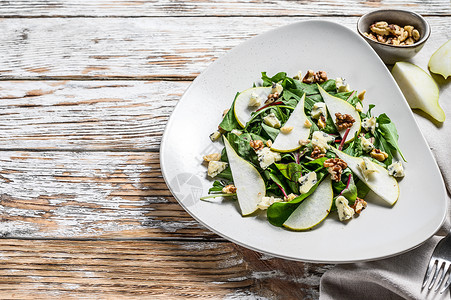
<point x="250" y="187"/>
<point x="440" y="61"/>
<point x="336" y="105"/>
<point x="419" y="88"/>
<point x="242" y="109"/>
<point x="287" y="142"/>
<point x="314" y="209"/>
<point x="380" y="182"/>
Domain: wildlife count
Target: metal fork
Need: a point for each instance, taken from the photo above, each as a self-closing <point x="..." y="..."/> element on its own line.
<point x="439" y="264"/>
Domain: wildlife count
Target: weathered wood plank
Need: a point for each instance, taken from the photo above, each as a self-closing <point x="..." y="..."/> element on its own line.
<point x="112" y="269"/>
<point x="91" y="115"/>
<point x="135" y="8"/>
<point x="89" y="194"/>
<point x="136" y="48"/>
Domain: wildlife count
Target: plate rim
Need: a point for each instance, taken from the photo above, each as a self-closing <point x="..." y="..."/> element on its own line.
<point x="242" y="244"/>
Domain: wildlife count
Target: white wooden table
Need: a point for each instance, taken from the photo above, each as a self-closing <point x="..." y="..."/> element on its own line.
<point x="86" y="88"/>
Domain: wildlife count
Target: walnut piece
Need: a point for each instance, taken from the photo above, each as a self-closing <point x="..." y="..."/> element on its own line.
<point x="359" y="205"/>
<point x="286" y="129"/>
<point x="393" y="34"/>
<point x="317" y="153"/>
<point x="272" y="98"/>
<point x="335" y="167"/>
<point x="229" y="189"/>
<point x="257" y="145"/>
<point x="312" y="77"/>
<point x="343" y="121"/>
<point x="378" y="154"/>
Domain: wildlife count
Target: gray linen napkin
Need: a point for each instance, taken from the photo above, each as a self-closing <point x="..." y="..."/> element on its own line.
<point x="400" y="277"/>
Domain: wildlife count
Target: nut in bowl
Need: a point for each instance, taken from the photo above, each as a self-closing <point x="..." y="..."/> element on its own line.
<point x="395" y="35"/>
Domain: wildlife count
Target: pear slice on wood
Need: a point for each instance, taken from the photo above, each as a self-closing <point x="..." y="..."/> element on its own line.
<point x="336" y="105"/>
<point x="419" y="88"/>
<point x="440" y="61"/>
<point x="314" y="209"/>
<point x="287" y="142"/>
<point x="380" y="182"/>
<point x="250" y="187"/>
<point x="241" y="108"/>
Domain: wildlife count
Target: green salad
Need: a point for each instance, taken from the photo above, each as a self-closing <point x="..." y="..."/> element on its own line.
<point x="300" y="148"/>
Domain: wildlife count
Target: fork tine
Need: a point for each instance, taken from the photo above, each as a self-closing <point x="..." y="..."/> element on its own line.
<point x="428" y="272"/>
<point x="437" y="270"/>
<point x="442" y="275"/>
<point x="447" y="283"/>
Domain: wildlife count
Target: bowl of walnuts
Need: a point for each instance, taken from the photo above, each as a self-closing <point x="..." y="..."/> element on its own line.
<point x="395" y="35"/>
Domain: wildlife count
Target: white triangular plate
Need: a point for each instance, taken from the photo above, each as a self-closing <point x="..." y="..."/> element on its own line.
<point x="380" y="231"/>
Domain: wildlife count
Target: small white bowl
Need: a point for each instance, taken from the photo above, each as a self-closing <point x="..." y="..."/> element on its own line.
<point x="390" y="54"/>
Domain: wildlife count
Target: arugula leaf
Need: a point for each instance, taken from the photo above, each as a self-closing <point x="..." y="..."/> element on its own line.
<point x="388" y="130"/>
<point x="268" y="81"/>
<point x="316" y="165"/>
<point x="355" y="147"/>
<point x="240" y="143"/>
<point x="226" y="174"/>
<point x="279" y="212"/>
<point x="217" y="187"/>
<point x="229" y="121"/>
<point x="362" y="189"/>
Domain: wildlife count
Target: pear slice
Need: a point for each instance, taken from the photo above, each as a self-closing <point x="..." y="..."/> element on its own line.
<point x="242" y="109"/>
<point x="336" y="105"/>
<point x="287" y="142"/>
<point x="250" y="187"/>
<point x="440" y="61"/>
<point x="380" y="182"/>
<point x="419" y="88"/>
<point x="314" y="209"/>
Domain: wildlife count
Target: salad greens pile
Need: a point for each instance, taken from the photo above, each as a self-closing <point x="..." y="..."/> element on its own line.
<point x="282" y="177"/>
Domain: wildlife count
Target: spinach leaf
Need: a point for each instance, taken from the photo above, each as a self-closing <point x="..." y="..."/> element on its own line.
<point x="291" y="171"/>
<point x="308" y="89"/>
<point x="226" y="174"/>
<point x="279" y="212"/>
<point x="229" y="121"/>
<point x="350" y="192"/>
<point x="362" y="189"/>
<point x="388" y="130"/>
<point x="271" y="174"/>
<point x="240" y="143"/>
<point x="368" y="113"/>
<point x="329" y="85"/>
<point x="316" y="165"/>
<point x="270" y="131"/>
<point x="355" y="147"/>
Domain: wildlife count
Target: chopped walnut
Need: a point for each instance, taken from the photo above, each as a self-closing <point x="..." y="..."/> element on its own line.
<point x="393" y="34"/>
<point x="272" y="98"/>
<point x="304" y="142"/>
<point x="309" y="77"/>
<point x="361" y="95"/>
<point x="212" y="157"/>
<point x="257" y="145"/>
<point x="359" y="205"/>
<point x="269" y="143"/>
<point x="317" y="153"/>
<point x="322" y="122"/>
<point x="286" y="129"/>
<point x="312" y="77"/>
<point x="229" y="189"/>
<point x="378" y="154"/>
<point x="321" y="76"/>
<point x="335" y="167"/>
<point x="343" y="121"/>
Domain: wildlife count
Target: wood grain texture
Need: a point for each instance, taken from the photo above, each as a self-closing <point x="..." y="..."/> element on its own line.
<point x="149" y="269"/>
<point x="108" y="8"/>
<point x="92" y="115"/>
<point x="89" y="194"/>
<point x="142" y="48"/>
